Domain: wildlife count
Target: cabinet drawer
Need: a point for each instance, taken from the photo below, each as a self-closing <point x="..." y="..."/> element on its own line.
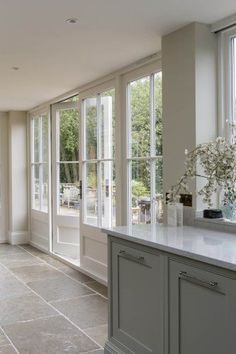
<point x="202" y="311"/>
<point x="137" y="299"/>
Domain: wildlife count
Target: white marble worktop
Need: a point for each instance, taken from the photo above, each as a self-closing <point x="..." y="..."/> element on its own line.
<point x="212" y="247"/>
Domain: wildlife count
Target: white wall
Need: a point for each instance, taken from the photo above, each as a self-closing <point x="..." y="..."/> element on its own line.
<point x="3" y="177"/>
<point x="189" y="97"/>
<point x="18" y="196"/>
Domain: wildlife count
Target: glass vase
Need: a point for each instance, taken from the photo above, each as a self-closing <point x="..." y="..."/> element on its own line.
<point x="229" y="211"/>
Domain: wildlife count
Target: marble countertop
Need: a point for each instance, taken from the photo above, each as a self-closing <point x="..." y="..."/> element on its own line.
<point x="212" y="247"/>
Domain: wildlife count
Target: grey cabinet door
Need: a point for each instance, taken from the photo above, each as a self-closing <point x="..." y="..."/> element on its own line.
<point x="137" y="300"/>
<point x="202" y="311"/>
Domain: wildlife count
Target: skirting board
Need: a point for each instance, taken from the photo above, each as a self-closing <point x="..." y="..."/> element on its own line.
<point x="3" y="241"/>
<point x="18" y="237"/>
<point x="110" y="348"/>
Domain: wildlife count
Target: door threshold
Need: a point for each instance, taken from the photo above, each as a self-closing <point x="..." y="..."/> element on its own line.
<point x="67" y="260"/>
<point x="75" y="264"/>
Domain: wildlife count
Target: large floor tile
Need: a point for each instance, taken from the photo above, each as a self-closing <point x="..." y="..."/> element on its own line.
<point x="54" y="335"/>
<point x="51" y="260"/>
<point x="86" y="312"/>
<point x="100" y="288"/>
<point x="59" y="288"/>
<point x="35" y="272"/>
<point x="75" y="274"/>
<point x="7" y="349"/>
<point x="3" y="339"/>
<point x="99" y="334"/>
<point x="19" y="260"/>
<point x="5" y="274"/>
<point x="23" y="308"/>
<point x="11" y="288"/>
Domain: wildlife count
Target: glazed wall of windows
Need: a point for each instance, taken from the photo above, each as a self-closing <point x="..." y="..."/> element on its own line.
<point x="39" y="162"/>
<point x="144" y="149"/>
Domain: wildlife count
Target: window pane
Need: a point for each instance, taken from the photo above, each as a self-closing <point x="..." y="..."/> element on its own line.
<point x="45" y="138"/>
<point x="69" y="189"/>
<point x="36" y="188"/>
<point x="158" y="111"/>
<point x="108" y="194"/>
<point x="44" y="187"/>
<point x="69" y="135"/>
<point x="91" y="128"/>
<point x="107" y="124"/>
<point x="141" y="192"/>
<point x="91" y="199"/>
<point x="140" y="117"/>
<point x="159" y="190"/>
<point x="36" y="138"/>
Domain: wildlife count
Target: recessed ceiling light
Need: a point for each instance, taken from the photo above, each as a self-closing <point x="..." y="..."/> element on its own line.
<point x="15" y="68"/>
<point x="72" y="20"/>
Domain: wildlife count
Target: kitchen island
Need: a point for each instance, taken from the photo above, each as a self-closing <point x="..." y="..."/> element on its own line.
<point x="171" y="290"/>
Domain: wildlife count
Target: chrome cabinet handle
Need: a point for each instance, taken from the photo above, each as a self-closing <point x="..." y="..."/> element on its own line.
<point x="209" y="285"/>
<point x="131" y="257"/>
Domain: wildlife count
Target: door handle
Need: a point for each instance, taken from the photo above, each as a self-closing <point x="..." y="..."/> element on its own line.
<point x="212" y="285"/>
<point x="131" y="257"/>
<point x="80" y="189"/>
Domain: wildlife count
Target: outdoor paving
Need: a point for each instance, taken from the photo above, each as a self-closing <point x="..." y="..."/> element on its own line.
<point x="46" y="307"/>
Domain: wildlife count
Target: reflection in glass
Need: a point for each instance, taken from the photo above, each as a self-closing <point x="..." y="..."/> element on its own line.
<point x="36" y="188"/>
<point x="91" y="128"/>
<point x="44" y="188"/>
<point x="36" y="126"/>
<point x="69" y="135"/>
<point x="140" y="117"/>
<point x="69" y="189"/>
<point x="45" y="138"/>
<point x="107" y="124"/>
<point x="159" y="190"/>
<point x="108" y="194"/>
<point x="91" y="197"/>
<point x="141" y="192"/>
<point x="158" y="111"/>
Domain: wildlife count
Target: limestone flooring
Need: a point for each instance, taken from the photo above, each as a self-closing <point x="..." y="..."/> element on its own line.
<point x="46" y="307"/>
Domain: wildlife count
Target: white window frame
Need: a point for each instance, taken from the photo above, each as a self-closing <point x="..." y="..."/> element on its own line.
<point x="226" y="109"/>
<point x="147" y="70"/>
<point x="39" y="163"/>
<point x="96" y="93"/>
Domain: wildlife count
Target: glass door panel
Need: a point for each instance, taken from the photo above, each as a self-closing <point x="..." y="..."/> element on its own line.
<point x="91" y="194"/>
<point x="144" y="142"/>
<point x="66" y="179"/>
<point x="98" y="156"/>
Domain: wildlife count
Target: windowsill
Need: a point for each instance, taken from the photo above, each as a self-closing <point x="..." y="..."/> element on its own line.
<point x="217" y="224"/>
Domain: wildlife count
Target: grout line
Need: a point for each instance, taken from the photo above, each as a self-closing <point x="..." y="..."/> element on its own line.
<point x="10" y="341"/>
<point x="35" y="319"/>
<point x="71" y="298"/>
<point x="61" y="271"/>
<point x="59" y="312"/>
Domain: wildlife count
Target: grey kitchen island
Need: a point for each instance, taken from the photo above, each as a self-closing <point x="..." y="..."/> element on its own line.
<point x="171" y="290"/>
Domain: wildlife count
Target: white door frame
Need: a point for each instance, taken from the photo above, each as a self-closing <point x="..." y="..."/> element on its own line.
<point x="93" y="242"/>
<point x="71" y="223"/>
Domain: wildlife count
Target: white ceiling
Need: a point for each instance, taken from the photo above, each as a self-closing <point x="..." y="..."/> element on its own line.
<point x="55" y="57"/>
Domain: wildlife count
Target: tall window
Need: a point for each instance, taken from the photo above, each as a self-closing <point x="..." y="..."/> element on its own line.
<point x="39" y="162"/>
<point x="145" y="149"/>
<point x="227" y="83"/>
<point x="98" y="159"/>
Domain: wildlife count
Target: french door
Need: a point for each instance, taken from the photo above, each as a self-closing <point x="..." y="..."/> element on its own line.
<point x="66" y="179"/>
<point x="98" y="176"/>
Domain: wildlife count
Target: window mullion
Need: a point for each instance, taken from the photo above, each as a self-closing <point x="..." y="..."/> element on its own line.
<point x="152" y="117"/>
<point x="99" y="155"/>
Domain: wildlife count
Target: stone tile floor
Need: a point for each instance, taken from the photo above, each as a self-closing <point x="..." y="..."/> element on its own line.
<point x="46" y="307"/>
